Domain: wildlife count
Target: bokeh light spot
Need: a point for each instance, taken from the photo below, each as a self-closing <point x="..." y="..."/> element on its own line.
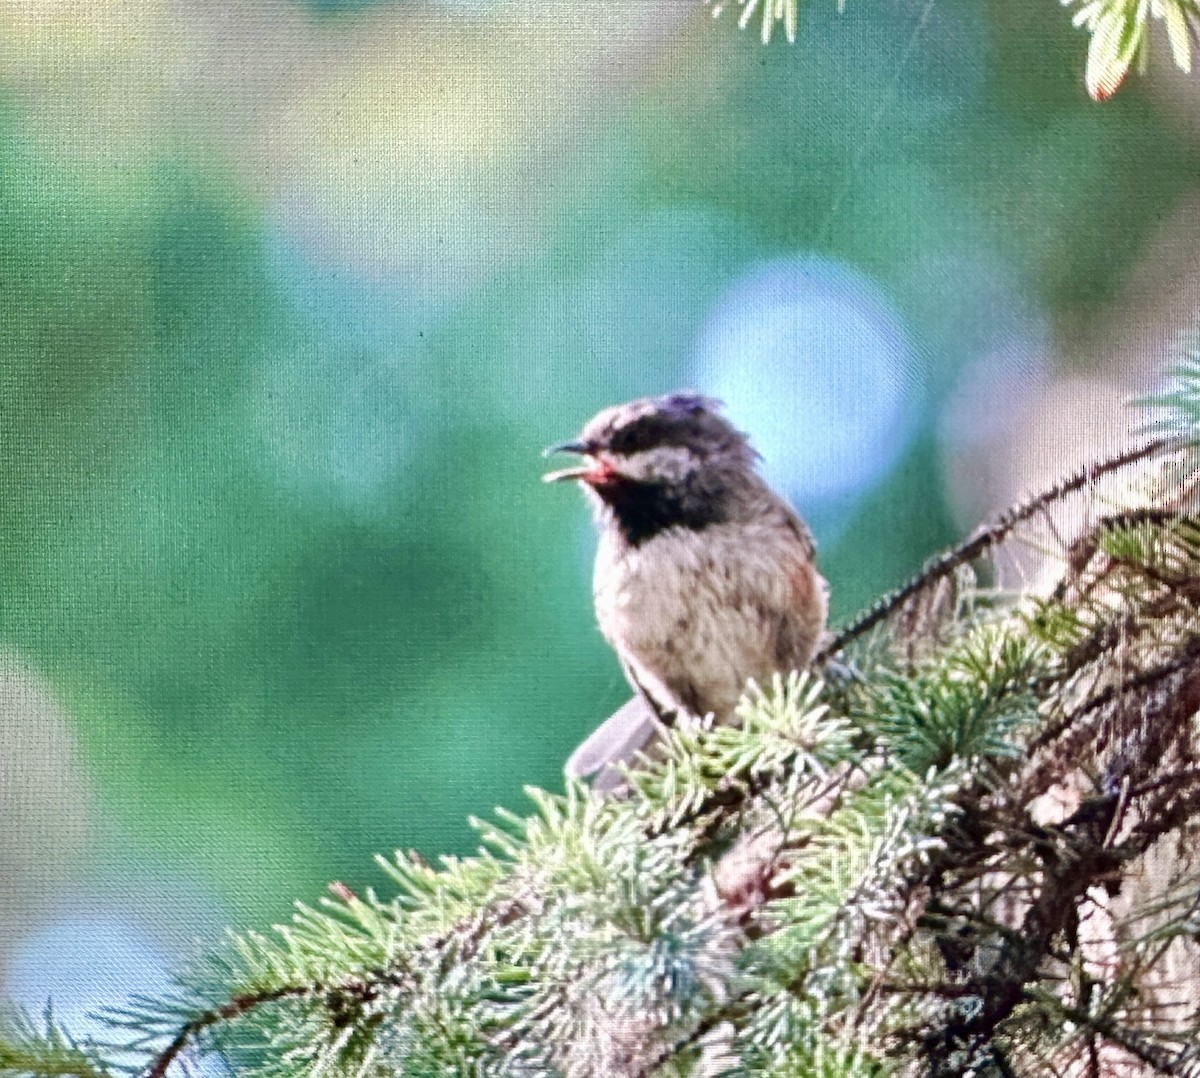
<point x="814" y="362"/>
<point x="84" y="962"/>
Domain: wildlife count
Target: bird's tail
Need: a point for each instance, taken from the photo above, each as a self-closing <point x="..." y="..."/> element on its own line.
<point x="616" y="741"/>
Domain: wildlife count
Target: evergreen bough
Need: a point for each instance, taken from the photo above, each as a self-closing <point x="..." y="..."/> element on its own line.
<point x="965" y="843"/>
<point x="1118" y="30"/>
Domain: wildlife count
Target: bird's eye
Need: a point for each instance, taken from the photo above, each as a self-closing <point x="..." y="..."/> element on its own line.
<point x="642" y="434"/>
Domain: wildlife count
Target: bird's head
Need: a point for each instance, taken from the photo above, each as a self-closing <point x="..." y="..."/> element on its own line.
<point x="663" y="461"/>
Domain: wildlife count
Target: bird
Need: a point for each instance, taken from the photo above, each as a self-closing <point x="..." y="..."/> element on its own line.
<point x="704" y="576"/>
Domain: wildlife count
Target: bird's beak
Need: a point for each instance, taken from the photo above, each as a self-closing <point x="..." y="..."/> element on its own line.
<point x="577" y="472"/>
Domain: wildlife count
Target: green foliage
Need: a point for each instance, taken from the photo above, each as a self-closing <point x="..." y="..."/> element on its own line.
<point x="970" y="702"/>
<point x="44" y="1050"/>
<point x="272" y="532"/>
<point x="1118" y="31"/>
<point x="788" y="727"/>
<point x="770" y="12"/>
<point x="1178" y="406"/>
<point x="608" y="935"/>
<point x="863" y="875"/>
<point x="841" y="885"/>
<point x="852" y="882"/>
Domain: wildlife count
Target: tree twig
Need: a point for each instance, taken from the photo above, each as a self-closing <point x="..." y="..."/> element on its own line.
<point x="988" y="536"/>
<point x="235" y="1008"/>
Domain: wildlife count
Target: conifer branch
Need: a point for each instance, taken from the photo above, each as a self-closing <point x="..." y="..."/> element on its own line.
<point x="235" y="1008"/>
<point x="989" y="536"/>
<point x="938" y="863"/>
<point x="50" y="1052"/>
<point x="1118" y="32"/>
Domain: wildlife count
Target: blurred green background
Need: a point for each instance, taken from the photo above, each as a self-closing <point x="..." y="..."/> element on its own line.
<point x="293" y="294"/>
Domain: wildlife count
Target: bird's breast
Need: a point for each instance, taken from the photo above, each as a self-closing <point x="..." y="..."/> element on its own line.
<point x="700" y="612"/>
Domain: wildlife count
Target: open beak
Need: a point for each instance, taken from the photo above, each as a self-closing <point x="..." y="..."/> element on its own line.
<point x="578" y="472"/>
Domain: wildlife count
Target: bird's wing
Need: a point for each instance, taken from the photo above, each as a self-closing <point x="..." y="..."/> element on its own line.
<point x="614" y="741"/>
<point x="658" y="697"/>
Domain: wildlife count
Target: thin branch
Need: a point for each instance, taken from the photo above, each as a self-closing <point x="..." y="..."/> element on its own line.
<point x="1186" y="657"/>
<point x="1003" y="987"/>
<point x="735" y="1008"/>
<point x="989" y="536"/>
<point x="1142" y="719"/>
<point x="1161" y="1060"/>
<point x="235" y="1008"/>
<point x="1076" y="855"/>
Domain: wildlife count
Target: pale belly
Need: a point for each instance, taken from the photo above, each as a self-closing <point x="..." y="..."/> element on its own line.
<point x="694" y="615"/>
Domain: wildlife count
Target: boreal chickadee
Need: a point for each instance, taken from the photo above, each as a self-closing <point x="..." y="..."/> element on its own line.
<point x="704" y="576"/>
